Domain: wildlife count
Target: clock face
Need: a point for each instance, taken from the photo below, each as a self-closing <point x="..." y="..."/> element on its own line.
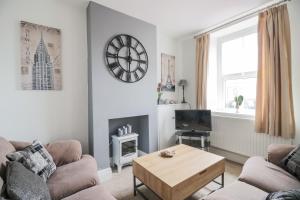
<point x="126" y="58"/>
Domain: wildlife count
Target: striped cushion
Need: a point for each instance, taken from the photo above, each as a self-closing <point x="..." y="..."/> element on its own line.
<point x="36" y="158"/>
<point x="291" y="162"/>
<point x="284" y="195"/>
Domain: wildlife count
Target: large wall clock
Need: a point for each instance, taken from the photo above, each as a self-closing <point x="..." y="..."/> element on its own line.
<point x="126" y="58"/>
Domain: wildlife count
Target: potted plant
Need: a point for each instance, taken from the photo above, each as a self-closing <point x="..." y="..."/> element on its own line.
<point x="238" y="102"/>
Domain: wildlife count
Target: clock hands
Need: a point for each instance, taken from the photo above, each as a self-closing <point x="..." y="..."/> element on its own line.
<point x="129" y="59"/>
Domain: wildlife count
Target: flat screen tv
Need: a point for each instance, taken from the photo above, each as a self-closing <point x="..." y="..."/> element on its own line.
<point x="193" y="120"/>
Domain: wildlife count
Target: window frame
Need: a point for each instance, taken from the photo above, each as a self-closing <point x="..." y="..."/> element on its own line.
<point x="221" y="79"/>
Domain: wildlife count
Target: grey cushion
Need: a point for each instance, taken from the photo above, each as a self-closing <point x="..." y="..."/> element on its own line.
<point x="36" y="158"/>
<point x="2" y="188"/>
<point x="5" y="148"/>
<point x="3" y="194"/>
<point x="285" y="195"/>
<point x="22" y="184"/>
<point x="1" y="185"/>
<point x="291" y="162"/>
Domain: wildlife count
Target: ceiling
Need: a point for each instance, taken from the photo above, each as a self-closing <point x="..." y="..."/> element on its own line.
<point x="180" y="18"/>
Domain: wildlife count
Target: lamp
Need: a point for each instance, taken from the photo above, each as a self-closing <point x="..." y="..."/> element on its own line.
<point x="182" y="83"/>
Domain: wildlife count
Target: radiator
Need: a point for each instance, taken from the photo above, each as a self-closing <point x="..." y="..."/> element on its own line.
<point x="238" y="136"/>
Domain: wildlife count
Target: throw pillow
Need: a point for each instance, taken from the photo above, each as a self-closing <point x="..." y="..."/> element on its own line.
<point x="1" y="187"/>
<point x="22" y="184"/>
<point x="36" y="158"/>
<point x="291" y="162"/>
<point x="1" y="183"/>
<point x="285" y="195"/>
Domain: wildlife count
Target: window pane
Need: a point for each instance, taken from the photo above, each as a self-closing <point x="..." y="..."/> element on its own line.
<point x="239" y="55"/>
<point x="245" y="87"/>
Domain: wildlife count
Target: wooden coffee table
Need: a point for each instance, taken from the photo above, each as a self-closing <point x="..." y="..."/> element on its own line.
<point x="179" y="177"/>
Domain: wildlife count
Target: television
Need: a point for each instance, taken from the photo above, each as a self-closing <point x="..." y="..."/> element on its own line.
<point x="193" y="120"/>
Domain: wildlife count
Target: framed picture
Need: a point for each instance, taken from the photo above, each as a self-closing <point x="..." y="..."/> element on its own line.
<point x="41" y="67"/>
<point x="167" y="73"/>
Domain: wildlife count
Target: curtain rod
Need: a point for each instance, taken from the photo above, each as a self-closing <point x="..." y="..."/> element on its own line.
<point x="240" y="17"/>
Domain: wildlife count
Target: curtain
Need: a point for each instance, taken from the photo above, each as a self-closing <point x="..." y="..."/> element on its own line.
<point x="202" y="49"/>
<point x="274" y="99"/>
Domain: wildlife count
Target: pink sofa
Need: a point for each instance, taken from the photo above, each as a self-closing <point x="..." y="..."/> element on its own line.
<point x="260" y="177"/>
<point x="76" y="174"/>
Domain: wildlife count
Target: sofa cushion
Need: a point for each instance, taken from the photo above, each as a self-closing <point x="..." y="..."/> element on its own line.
<point x="22" y="184"/>
<point x="62" y="151"/>
<point x="35" y="158"/>
<point x="73" y="177"/>
<point x="20" y="145"/>
<point x="276" y="152"/>
<point x="92" y="193"/>
<point x="284" y="195"/>
<point x="238" y="191"/>
<point x="65" y="151"/>
<point x="291" y="162"/>
<point x="5" y="148"/>
<point x="267" y="176"/>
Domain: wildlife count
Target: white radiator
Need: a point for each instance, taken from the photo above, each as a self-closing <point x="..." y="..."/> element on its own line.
<point x="238" y="136"/>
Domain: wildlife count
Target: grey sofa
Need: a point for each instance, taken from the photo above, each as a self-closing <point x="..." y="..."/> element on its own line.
<point x="260" y="177"/>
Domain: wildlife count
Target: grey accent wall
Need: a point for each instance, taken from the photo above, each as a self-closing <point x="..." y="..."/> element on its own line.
<point x="108" y="97"/>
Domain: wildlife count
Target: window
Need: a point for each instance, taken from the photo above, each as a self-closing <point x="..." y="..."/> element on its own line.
<point x="232" y="70"/>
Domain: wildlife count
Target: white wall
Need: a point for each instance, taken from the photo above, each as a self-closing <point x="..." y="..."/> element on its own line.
<point x="44" y="115"/>
<point x="294" y="12"/>
<point x="188" y="69"/>
<point x="169" y="45"/>
<point x="187" y="54"/>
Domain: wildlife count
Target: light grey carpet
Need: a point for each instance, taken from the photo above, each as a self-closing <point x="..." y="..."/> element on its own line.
<point x="121" y="185"/>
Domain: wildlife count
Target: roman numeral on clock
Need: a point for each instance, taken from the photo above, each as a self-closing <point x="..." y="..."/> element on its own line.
<point x="114" y="46"/>
<point x="120" y="40"/>
<point x="111" y="55"/>
<point x="120" y="74"/>
<point x="128" y="40"/>
<point x="135" y="46"/>
<point x="113" y="65"/>
<point x="141" y="70"/>
<point x="128" y="77"/>
<point x="143" y="52"/>
<point x="142" y="61"/>
<point x="136" y="76"/>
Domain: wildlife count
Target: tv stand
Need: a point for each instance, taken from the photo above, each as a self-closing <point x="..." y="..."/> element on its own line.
<point x="203" y="136"/>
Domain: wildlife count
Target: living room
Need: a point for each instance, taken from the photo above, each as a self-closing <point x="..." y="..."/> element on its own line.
<point x="80" y="78"/>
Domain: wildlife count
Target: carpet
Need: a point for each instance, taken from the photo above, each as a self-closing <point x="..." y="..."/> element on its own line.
<point x="121" y="184"/>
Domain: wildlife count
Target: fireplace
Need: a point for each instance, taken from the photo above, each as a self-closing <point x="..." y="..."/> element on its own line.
<point x="124" y="148"/>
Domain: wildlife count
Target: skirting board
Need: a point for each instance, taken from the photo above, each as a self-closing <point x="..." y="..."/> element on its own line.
<point x="105" y="174"/>
<point x="141" y="153"/>
<point x="238" y="158"/>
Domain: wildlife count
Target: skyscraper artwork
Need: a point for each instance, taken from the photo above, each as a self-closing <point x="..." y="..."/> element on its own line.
<point x="40" y="57"/>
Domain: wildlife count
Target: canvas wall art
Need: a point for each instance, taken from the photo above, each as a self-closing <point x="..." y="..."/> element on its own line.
<point x="166" y="88"/>
<point x="168" y="72"/>
<point x="41" y="67"/>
